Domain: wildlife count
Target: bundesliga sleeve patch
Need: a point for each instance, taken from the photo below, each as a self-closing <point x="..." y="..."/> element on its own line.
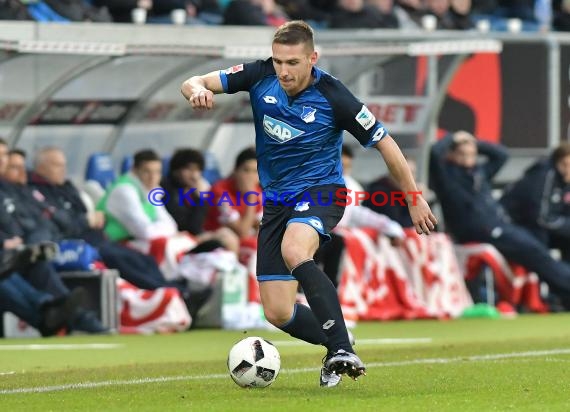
<point x="365" y="118"/>
<point x="234" y="69"/>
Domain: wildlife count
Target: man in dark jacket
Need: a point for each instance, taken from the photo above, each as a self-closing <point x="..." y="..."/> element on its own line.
<point x="62" y="198"/>
<point x="36" y="307"/>
<point x="23" y="223"/>
<point x="473" y="215"/>
<point x="68" y="211"/>
<point x="540" y="200"/>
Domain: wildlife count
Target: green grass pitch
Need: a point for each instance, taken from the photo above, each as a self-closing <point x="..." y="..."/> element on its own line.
<point x="463" y="365"/>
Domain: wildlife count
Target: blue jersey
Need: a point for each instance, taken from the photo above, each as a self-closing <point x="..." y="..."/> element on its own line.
<point x="299" y="138"/>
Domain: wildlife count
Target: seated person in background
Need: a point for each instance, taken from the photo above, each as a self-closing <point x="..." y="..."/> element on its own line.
<point x="414" y="9"/>
<point x="394" y="210"/>
<point x="349" y="14"/>
<point x="37" y="294"/>
<point x="128" y="212"/>
<point x="183" y="183"/>
<point x="37" y="308"/>
<point x="198" y="11"/>
<point x="540" y="200"/>
<point x="232" y="208"/>
<point x="22" y="223"/>
<point x="254" y="13"/>
<point x="391" y="11"/>
<point x="16" y="257"/>
<point x="63" y="204"/>
<point x="561" y="20"/>
<point x="451" y="14"/>
<point x="471" y="214"/>
<point x="304" y="10"/>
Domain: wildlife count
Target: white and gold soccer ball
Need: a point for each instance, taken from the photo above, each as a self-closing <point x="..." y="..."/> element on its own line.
<point x="254" y="363"/>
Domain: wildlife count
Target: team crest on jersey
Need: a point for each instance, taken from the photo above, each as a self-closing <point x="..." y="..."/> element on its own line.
<point x="235" y="69"/>
<point x="278" y="130"/>
<point x="302" y="206"/>
<point x="365" y="118"/>
<point x="308" y="114"/>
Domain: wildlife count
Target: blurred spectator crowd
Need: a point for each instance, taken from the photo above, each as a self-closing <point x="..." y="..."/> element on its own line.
<point x="485" y="15"/>
<point x="182" y="239"/>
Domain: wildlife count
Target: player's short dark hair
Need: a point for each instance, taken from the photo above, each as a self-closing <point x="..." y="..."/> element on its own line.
<point x="295" y="32"/>
<point x="18" y="152"/>
<point x="347" y="151"/>
<point x="244" y="156"/>
<point x="3" y="142"/>
<point x="143" y="156"/>
<point x="183" y="158"/>
<point x="561" y="152"/>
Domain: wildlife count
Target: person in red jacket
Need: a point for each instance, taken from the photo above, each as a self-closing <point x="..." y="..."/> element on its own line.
<point x="237" y="200"/>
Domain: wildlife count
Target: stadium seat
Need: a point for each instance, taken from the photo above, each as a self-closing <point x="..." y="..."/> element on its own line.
<point x="165" y="165"/>
<point x="211" y="169"/>
<point x="126" y="164"/>
<point x="100" y="169"/>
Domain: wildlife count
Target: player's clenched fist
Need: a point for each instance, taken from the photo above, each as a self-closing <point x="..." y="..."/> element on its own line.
<point x="202" y="99"/>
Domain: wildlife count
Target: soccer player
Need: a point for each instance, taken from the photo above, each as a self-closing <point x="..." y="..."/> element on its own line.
<point x="300" y="112"/>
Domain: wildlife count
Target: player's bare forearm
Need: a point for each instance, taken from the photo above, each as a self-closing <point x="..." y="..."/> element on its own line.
<point x="397" y="165"/>
<point x="420" y="212"/>
<point x="200" y="90"/>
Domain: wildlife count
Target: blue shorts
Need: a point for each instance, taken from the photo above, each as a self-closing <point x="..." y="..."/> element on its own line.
<point x="322" y="214"/>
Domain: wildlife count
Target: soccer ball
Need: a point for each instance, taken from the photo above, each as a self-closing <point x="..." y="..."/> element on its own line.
<point x="254" y="363"/>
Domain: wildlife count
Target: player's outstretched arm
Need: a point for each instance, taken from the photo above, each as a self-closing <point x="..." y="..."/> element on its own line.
<point x="420" y="212"/>
<point x="200" y="90"/>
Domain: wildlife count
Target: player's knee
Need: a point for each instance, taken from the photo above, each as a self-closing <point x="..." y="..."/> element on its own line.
<point x="277" y="316"/>
<point x="294" y="253"/>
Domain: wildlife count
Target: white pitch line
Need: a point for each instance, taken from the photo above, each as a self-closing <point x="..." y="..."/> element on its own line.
<point x="163" y="379"/>
<point x="63" y="346"/>
<point x="379" y="341"/>
<point x="7" y="373"/>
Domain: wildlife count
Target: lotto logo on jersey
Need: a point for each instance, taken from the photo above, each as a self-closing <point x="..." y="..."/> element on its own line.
<point x="278" y="130"/>
<point x="365" y="118"/>
<point x="234" y="69"/>
<point x="378" y="134"/>
<point x="270" y="99"/>
<point x="316" y="224"/>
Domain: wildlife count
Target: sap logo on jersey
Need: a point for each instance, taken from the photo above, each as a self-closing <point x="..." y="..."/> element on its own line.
<point x="278" y="130"/>
<point x="365" y="118"/>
